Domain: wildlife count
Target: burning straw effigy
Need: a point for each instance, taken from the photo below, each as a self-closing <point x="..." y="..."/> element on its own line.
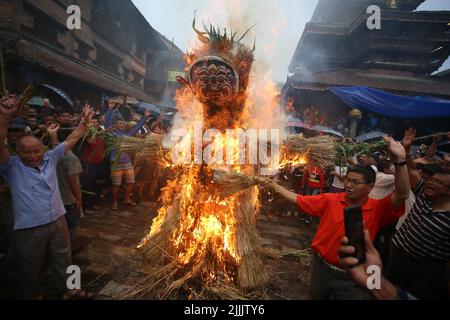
<point x="203" y="243"/>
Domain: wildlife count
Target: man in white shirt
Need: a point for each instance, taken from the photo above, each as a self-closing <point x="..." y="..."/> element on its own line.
<point x="384" y="184"/>
<point x="339" y="174"/>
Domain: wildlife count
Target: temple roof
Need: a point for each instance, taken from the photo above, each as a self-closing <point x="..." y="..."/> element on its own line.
<point x="419" y="85"/>
<point x="418" y="42"/>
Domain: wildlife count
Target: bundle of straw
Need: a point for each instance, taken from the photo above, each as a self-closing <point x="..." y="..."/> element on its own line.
<point x="230" y="183"/>
<point x="150" y="146"/>
<point x="251" y="273"/>
<point x="320" y="150"/>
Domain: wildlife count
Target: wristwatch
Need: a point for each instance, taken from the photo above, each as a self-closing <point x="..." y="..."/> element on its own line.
<point x="400" y="164"/>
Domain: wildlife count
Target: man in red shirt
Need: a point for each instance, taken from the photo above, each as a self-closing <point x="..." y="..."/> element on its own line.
<point x="327" y="279"/>
<point x="95" y="170"/>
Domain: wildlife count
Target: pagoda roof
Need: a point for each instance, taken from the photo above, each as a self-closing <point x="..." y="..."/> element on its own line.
<point x="420" y="39"/>
<point x="410" y="85"/>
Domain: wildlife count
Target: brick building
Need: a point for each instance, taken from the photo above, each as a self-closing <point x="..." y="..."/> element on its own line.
<point x="115" y="51"/>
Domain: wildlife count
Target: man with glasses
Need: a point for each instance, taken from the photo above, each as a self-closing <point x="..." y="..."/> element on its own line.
<point x="328" y="281"/>
<point x="420" y="249"/>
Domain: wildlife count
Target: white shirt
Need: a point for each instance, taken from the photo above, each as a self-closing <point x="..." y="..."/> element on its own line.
<point x="384" y="185"/>
<point x="337" y="182"/>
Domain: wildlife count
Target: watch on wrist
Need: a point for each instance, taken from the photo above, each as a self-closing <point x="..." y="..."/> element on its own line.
<point x="400" y="164"/>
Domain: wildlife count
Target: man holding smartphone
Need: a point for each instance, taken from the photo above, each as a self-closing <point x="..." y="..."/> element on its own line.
<point x="358" y="270"/>
<point x="328" y="281"/>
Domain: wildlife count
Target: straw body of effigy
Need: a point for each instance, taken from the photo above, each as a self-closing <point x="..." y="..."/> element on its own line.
<point x="239" y="274"/>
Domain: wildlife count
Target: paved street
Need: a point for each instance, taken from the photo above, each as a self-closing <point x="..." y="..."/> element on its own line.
<point x="106" y="242"/>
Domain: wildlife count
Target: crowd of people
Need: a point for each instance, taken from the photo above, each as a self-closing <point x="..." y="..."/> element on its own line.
<point x="313" y="116"/>
<point x="50" y="177"/>
<point x="405" y="200"/>
<point x="54" y="176"/>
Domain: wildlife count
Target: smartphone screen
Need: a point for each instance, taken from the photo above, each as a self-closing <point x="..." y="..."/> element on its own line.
<point x="354" y="231"/>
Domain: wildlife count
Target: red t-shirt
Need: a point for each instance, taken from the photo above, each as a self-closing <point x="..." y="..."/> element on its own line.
<point x="93" y="152"/>
<point x="315" y="177"/>
<point x="377" y="213"/>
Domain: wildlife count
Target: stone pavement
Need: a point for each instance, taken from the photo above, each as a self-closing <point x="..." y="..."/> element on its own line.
<point x="105" y="241"/>
<point x="104" y="244"/>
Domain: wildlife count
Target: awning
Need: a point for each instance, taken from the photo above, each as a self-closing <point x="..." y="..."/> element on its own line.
<point x="392" y="105"/>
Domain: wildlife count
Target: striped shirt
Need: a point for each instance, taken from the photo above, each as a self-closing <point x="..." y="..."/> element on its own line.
<point x="425" y="234"/>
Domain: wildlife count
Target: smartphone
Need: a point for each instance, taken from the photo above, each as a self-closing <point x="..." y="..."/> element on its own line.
<point x="354" y="231"/>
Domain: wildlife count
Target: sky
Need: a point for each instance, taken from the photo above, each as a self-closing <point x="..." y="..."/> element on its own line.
<point x="278" y="24"/>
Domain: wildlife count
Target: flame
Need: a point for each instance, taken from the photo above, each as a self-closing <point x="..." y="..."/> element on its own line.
<point x="300" y="159"/>
<point x="206" y="232"/>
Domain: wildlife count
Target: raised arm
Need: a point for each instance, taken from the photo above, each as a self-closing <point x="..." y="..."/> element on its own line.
<point x="8" y="109"/>
<point x="407" y="142"/>
<point x="402" y="187"/>
<point x="140" y="124"/>
<point x="53" y="133"/>
<point x="75" y="136"/>
<point x="431" y="151"/>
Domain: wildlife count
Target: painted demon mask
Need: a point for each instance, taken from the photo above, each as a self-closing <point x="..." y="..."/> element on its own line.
<point x="213" y="80"/>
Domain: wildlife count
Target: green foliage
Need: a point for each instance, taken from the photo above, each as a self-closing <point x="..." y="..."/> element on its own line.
<point x="346" y="149"/>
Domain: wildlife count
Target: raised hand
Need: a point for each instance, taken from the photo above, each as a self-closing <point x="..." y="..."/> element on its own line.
<point x="408" y="138"/>
<point x="53" y="129"/>
<point x="88" y="113"/>
<point x="396" y="149"/>
<point x="9" y="106"/>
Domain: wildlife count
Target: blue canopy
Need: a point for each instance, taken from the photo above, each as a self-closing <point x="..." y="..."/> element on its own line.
<point x="392" y="105"/>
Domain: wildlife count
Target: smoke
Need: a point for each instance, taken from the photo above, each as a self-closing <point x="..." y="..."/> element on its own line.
<point x="276" y="26"/>
<point x="263" y="19"/>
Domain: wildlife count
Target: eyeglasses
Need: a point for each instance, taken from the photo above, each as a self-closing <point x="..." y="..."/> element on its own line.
<point x="353" y="181"/>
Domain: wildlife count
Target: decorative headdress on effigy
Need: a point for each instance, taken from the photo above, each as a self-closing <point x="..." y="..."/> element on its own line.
<point x="218" y="71"/>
